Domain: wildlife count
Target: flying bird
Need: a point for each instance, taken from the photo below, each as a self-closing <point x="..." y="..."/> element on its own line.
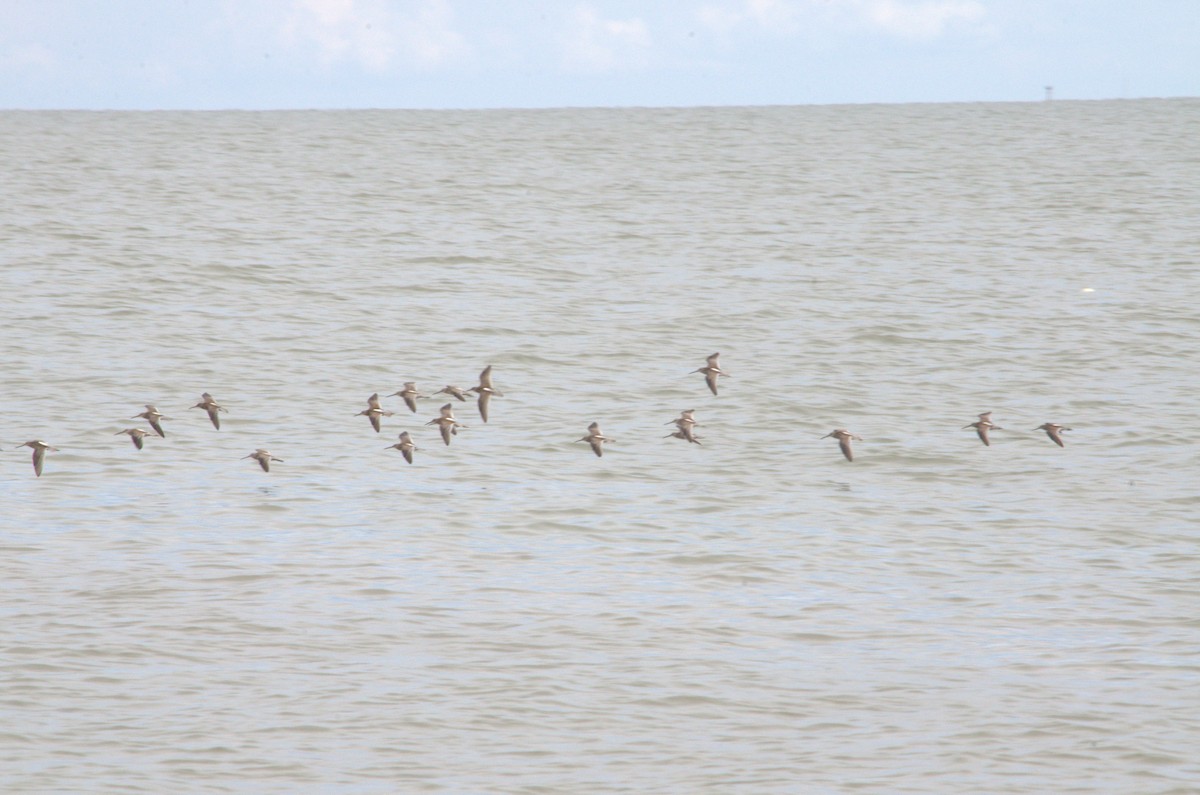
<point x="212" y="408"/>
<point x="405" y="446"/>
<point x="485" y="391"/>
<point x="1054" y="431"/>
<point x="446" y="423"/>
<point x="450" y="389"/>
<point x="595" y="438"/>
<point x="374" y="411"/>
<point x="844" y="438"/>
<point x="39" y="454"/>
<point x="152" y="416"/>
<point x="409" y="394"/>
<point x="264" y="459"/>
<point x="984" y="425"/>
<point x="712" y="371"/>
<point x="136" y="435"/>
<point x="686" y="423"/>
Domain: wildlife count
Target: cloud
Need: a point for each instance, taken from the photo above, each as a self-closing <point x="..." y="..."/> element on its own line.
<point x="430" y="38"/>
<point x="776" y="15"/>
<point x="342" y="30"/>
<point x="717" y="19"/>
<point x="594" y="44"/>
<point x="913" y="19"/>
<point x="27" y="56"/>
<point x="375" y="35"/>
<point x="923" y="20"/>
<point x="771" y="13"/>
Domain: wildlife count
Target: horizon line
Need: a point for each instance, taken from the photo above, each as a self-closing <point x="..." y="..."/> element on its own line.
<point x="490" y="108"/>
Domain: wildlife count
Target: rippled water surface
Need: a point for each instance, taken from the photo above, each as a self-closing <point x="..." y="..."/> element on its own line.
<point x="510" y="613"/>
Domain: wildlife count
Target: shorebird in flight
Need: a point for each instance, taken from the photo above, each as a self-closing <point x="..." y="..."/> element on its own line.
<point x="152" y="416"/>
<point x="410" y="395"/>
<point x="844" y="437"/>
<point x="39" y="454"/>
<point x="264" y="459"/>
<point x="136" y="435"/>
<point x="984" y="425"/>
<point x="374" y="411"/>
<point x="595" y="438"/>
<point x="446" y="423"/>
<point x="450" y="389"/>
<point x="1054" y="431"/>
<point x="212" y="408"/>
<point x="686" y="423"/>
<point x="405" y="446"/>
<point x="485" y="391"/>
<point x="686" y="417"/>
<point x="712" y="371"/>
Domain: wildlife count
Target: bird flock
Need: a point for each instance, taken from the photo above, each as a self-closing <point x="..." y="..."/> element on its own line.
<point x="448" y="426"/>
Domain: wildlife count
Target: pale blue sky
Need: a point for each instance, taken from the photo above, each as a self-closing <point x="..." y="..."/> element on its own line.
<point x="549" y="53"/>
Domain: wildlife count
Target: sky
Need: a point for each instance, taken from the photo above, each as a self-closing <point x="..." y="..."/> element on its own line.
<point x="267" y="54"/>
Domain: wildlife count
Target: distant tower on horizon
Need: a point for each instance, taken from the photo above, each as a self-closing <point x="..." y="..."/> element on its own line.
<point x="1049" y="93"/>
